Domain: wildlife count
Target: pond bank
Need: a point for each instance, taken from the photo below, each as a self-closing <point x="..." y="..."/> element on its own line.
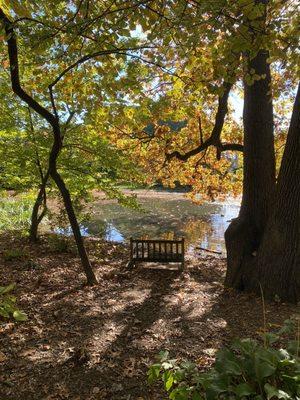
<point x="92" y="343"/>
<point x="161" y="193"/>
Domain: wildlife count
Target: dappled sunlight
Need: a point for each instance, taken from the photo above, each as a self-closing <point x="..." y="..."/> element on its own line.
<point x="141" y="143"/>
<point x="118" y="326"/>
<point x="111" y="332"/>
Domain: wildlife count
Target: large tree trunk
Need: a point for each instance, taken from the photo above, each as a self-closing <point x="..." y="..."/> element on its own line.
<point x="278" y="261"/>
<point x="55" y="175"/>
<point x="244" y="234"/>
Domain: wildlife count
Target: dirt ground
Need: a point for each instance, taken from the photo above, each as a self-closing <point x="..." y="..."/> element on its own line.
<point x="97" y="342"/>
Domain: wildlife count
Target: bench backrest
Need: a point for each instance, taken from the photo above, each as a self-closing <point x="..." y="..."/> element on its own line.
<point x="157" y="250"/>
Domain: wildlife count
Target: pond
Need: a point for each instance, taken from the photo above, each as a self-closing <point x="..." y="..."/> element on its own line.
<point x="163" y="216"/>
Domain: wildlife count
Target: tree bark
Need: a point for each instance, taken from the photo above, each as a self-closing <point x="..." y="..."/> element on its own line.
<point x="55" y="175"/>
<point x="244" y="234"/>
<point x="41" y="198"/>
<point x="278" y="261"/>
<point x="36" y="219"/>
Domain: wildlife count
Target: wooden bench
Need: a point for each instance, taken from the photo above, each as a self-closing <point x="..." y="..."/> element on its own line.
<point x="163" y="251"/>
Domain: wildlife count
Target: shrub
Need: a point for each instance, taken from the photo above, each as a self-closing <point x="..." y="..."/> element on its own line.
<point x="14" y="254"/>
<point x="8" y="308"/>
<point x="247" y="369"/>
<point x="58" y="243"/>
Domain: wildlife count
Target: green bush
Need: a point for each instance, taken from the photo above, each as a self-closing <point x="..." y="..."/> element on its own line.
<point x="247" y="369"/>
<point x="8" y="308"/>
<point x="58" y="243"/>
<point x="14" y="254"/>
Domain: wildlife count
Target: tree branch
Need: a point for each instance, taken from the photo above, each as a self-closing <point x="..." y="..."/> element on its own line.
<point x="121" y="51"/>
<point x="232" y="146"/>
<point x="37" y="155"/>
<point x="14" y="72"/>
<point x="214" y="139"/>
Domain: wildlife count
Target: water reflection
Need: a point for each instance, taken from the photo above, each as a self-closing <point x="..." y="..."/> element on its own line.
<point x="203" y="225"/>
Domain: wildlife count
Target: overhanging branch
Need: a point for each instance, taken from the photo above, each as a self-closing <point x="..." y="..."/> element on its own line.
<point x="215" y="136"/>
<point x="15" y="75"/>
<point x="232" y="147"/>
<point x="120" y="51"/>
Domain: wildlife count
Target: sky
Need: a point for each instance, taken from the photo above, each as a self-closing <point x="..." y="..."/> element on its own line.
<point x="237" y="104"/>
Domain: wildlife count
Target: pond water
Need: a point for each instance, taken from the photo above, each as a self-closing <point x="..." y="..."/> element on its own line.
<point x="163" y="217"/>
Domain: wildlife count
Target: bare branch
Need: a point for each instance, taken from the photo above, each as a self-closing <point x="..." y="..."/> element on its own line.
<point x="200" y="129"/>
<point x="232" y="147"/>
<point x="87" y="57"/>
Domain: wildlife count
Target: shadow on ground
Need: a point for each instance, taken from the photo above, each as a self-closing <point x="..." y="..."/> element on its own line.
<point x="96" y="343"/>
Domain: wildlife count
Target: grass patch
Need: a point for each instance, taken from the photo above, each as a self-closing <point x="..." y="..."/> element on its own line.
<point x="14" y="254"/>
<point x="15" y="211"/>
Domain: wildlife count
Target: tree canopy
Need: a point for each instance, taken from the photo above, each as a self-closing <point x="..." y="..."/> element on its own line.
<point x="111" y="91"/>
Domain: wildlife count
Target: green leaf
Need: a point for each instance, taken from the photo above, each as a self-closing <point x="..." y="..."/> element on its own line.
<point x="163" y="355"/>
<point x="288" y="327"/>
<point x="263" y="370"/>
<point x="179" y="375"/>
<point x="19" y="316"/>
<point x="3" y="312"/>
<point x="247" y="346"/>
<point x="153" y="373"/>
<point x="7" y="289"/>
<point x="227" y="362"/>
<point x="293" y="347"/>
<point x="291" y="378"/>
<point x="169" y="382"/>
<point x="269" y="355"/>
<point x="243" y="389"/>
<point x="179" y="394"/>
<point x="272" y="391"/>
<point x="189" y="366"/>
<point x="271" y="338"/>
<point x="196" y="395"/>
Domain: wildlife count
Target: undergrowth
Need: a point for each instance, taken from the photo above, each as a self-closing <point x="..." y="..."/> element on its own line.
<point x="8" y="307"/>
<point x="247" y="369"/>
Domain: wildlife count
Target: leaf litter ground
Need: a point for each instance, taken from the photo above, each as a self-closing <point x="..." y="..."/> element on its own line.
<point x="96" y="343"/>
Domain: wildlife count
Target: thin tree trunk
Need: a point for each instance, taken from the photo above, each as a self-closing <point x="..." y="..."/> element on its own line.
<point x="36" y="219"/>
<point x="53" y="120"/>
<point x="55" y="175"/>
<point x="244" y="234"/>
<point x="278" y="260"/>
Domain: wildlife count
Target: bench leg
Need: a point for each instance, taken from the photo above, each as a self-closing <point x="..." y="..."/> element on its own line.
<point x="181" y="268"/>
<point x="130" y="265"/>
